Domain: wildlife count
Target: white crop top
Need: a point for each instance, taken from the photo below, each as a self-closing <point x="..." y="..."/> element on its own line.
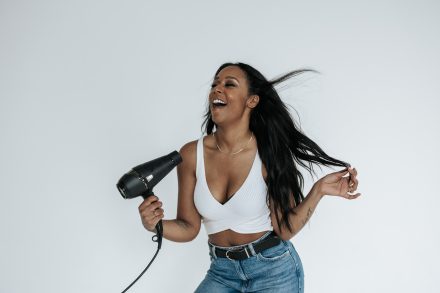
<point x="245" y="212"/>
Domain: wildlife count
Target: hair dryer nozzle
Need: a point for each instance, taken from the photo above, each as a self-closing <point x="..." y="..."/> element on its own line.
<point x="130" y="185"/>
<point x="142" y="178"/>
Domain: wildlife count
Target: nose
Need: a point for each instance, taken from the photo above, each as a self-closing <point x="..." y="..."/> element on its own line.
<point x="217" y="88"/>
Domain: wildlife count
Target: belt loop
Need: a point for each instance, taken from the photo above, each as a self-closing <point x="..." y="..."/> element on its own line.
<point x="251" y="248"/>
<point x="213" y="251"/>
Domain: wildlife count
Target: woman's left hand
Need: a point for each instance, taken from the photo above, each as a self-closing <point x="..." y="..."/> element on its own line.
<point x="337" y="185"/>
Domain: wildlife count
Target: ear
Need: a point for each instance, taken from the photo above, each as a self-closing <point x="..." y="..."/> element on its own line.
<point x="252" y="101"/>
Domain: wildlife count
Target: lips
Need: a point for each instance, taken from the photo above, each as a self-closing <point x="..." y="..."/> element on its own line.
<point x="217" y="102"/>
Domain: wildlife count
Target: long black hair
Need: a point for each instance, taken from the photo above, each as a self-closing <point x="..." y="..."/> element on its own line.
<point x="280" y="142"/>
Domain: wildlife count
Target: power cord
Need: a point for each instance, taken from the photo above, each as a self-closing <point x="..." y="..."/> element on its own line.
<point x="156" y="238"/>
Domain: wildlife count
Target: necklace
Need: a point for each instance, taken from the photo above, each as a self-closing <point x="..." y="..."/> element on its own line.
<point x="234" y="153"/>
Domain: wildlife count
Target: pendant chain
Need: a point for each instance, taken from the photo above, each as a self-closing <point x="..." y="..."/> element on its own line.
<point x="234" y="153"/>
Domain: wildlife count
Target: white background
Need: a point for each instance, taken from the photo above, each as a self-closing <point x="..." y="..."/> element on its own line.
<point x="89" y="89"/>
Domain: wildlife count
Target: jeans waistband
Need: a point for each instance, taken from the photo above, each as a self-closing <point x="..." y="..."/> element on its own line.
<point x="249" y="245"/>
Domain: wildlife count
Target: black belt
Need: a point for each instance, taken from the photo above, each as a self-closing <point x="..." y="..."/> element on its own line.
<point x="244" y="252"/>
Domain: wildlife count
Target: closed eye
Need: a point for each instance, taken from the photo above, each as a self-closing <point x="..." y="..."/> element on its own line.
<point x="228" y="84"/>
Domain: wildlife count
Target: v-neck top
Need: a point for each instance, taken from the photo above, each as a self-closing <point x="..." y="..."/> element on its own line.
<point x="246" y="211"/>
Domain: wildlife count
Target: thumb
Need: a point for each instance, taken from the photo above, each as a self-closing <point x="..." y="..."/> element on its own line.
<point x="342" y="172"/>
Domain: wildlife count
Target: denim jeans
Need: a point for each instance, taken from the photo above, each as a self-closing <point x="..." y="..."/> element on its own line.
<point x="277" y="269"/>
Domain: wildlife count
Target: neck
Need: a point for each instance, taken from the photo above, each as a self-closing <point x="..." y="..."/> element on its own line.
<point x="232" y="139"/>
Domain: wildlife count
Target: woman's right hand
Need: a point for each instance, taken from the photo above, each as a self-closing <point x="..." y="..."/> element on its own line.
<point x="151" y="212"/>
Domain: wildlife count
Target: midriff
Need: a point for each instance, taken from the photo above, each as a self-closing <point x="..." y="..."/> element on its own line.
<point x="231" y="238"/>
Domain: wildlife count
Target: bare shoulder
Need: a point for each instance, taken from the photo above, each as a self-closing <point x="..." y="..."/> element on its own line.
<point x="189" y="149"/>
<point x="188" y="152"/>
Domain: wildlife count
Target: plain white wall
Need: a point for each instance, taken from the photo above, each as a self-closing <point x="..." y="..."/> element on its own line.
<point x="89" y="89"/>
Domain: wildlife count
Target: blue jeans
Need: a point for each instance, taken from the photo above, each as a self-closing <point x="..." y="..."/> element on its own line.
<point x="276" y="269"/>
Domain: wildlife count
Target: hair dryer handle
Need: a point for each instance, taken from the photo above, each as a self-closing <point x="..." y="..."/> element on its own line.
<point x="158" y="237"/>
<point x="159" y="228"/>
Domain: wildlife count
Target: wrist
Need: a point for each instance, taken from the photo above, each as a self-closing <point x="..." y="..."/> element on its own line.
<point x="153" y="230"/>
<point x="317" y="189"/>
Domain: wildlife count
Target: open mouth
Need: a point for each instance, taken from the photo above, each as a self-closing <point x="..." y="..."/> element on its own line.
<point x="218" y="103"/>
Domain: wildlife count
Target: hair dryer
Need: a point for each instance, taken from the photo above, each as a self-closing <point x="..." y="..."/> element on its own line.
<point x="140" y="181"/>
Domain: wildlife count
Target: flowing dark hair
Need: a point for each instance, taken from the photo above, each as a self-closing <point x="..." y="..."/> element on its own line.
<point x="280" y="142"/>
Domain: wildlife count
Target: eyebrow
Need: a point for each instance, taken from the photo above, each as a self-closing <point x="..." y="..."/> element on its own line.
<point x="231" y="77"/>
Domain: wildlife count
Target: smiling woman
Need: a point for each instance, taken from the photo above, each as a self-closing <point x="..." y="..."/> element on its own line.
<point x="241" y="180"/>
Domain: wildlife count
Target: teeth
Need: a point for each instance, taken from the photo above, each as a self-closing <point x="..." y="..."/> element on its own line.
<point x="218" y="101"/>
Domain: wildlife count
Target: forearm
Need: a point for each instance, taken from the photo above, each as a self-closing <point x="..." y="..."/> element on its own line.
<point x="179" y="230"/>
<point x="303" y="213"/>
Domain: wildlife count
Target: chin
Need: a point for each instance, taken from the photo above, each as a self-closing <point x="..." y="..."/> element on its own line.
<point x="217" y="122"/>
<point x="215" y="118"/>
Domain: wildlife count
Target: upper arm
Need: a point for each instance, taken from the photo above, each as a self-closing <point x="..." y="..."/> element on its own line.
<point x="273" y="218"/>
<point x="283" y="232"/>
<point x="186" y="174"/>
<point x="273" y="213"/>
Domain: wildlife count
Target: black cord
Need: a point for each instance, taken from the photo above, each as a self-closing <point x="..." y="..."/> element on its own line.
<point x="156" y="238"/>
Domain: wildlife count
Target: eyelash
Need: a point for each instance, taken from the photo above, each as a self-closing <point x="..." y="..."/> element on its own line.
<point x="228" y="84"/>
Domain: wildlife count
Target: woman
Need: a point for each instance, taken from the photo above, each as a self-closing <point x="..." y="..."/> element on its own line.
<point x="242" y="181"/>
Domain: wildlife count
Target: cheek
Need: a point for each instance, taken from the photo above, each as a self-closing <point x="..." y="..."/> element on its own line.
<point x="238" y="108"/>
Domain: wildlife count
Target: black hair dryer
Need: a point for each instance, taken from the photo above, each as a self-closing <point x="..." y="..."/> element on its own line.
<point x="140" y="181"/>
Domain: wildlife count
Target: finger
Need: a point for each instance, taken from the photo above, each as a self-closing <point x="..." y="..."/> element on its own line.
<point x="155" y="205"/>
<point x="355" y="184"/>
<point x="158" y="212"/>
<point x="355" y="177"/>
<point x="353" y="196"/>
<point x="151" y="199"/>
<point x="151" y="222"/>
<point x="149" y="218"/>
<point x="351" y="183"/>
<point x="343" y="170"/>
<point x="341" y="173"/>
<point x="149" y="215"/>
<point x="350" y="195"/>
<point x="353" y="172"/>
<point x="353" y="188"/>
<point x="156" y="220"/>
<point x="346" y="195"/>
<point x="148" y="201"/>
<point x="352" y="176"/>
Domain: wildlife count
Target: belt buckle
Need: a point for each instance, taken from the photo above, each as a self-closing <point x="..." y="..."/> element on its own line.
<point x="237" y="250"/>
